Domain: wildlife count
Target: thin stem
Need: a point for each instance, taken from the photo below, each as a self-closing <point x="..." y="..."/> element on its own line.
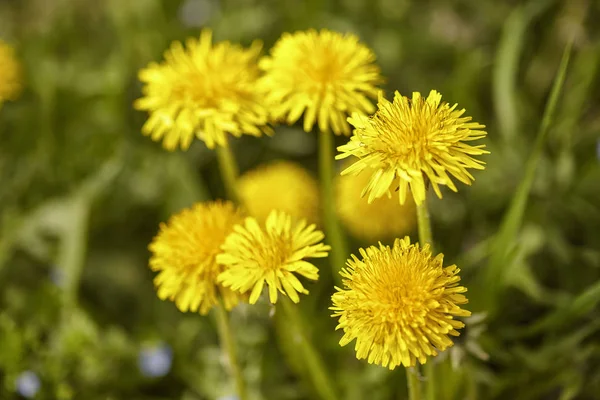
<point x="314" y="363"/>
<point x="227" y="340"/>
<point x="430" y="375"/>
<point x="229" y="171"/>
<point x="424" y="225"/>
<point x="414" y="385"/>
<point x="425" y="237"/>
<point x="73" y="247"/>
<point x="335" y="235"/>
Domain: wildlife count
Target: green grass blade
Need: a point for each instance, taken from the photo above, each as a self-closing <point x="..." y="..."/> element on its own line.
<point x="505" y="240"/>
<point x="506" y="66"/>
<point x="504" y="87"/>
<point x="577" y="308"/>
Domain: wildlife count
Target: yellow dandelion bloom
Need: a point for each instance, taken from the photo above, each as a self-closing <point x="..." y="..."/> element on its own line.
<point x="280" y="185"/>
<point x="203" y="90"/>
<point x="10" y="74"/>
<point x="184" y="253"/>
<point x="383" y="218"/>
<point x="325" y="75"/>
<point x="253" y="255"/>
<point x="399" y="304"/>
<point x="413" y="142"/>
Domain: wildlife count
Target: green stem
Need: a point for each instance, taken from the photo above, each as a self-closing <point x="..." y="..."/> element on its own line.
<point x="335" y="235"/>
<point x="425" y="237"/>
<point x="430" y="375"/>
<point x="314" y="364"/>
<point x="414" y="385"/>
<point x="227" y="340"/>
<point x="424" y="225"/>
<point x="229" y="171"/>
<point x="73" y="247"/>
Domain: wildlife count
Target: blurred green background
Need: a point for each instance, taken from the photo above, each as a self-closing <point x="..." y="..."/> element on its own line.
<point x="83" y="192"/>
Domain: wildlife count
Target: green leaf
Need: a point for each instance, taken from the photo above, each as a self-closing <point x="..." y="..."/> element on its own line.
<point x="504" y="243"/>
<point x="506" y="66"/>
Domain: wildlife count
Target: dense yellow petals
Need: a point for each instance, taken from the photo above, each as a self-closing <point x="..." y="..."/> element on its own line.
<point x="203" y="90"/>
<point x="283" y="186"/>
<point x="410" y="143"/>
<point x="324" y="75"/>
<point x="273" y="254"/>
<point x="10" y="74"/>
<point x="383" y="218"/>
<point x="184" y="255"/>
<point x="399" y="304"/>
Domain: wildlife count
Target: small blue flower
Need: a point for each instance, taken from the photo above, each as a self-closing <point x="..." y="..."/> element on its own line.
<point x="28" y="384"/>
<point x="155" y="361"/>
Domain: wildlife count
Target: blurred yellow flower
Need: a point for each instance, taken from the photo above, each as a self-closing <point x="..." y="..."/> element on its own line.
<point x="280" y="185"/>
<point x="10" y="74"/>
<point x="184" y="253"/>
<point x="325" y="75"/>
<point x="399" y="304"/>
<point x="383" y="218"/>
<point x="253" y="255"/>
<point x="205" y="91"/>
<point x="414" y="142"/>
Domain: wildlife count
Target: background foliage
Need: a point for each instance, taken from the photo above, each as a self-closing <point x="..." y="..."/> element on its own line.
<point x="83" y="191"/>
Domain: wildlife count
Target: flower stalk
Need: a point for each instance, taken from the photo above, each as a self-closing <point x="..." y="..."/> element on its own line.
<point x="229" y="171"/>
<point x="227" y="340"/>
<point x="335" y="235"/>
<point x="425" y="237"/>
<point x="414" y="384"/>
<point x="319" y="375"/>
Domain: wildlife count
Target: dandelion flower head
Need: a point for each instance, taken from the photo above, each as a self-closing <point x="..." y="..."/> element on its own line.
<point x="184" y="255"/>
<point x="383" y="218"/>
<point x="399" y="304"/>
<point x="324" y="75"/>
<point x="10" y="74"/>
<point x="283" y="186"/>
<point x="413" y="141"/>
<point x="203" y="90"/>
<point x="273" y="254"/>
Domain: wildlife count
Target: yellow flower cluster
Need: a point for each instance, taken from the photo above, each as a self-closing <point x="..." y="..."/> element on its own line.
<point x="324" y="75"/>
<point x="399" y="303"/>
<point x="384" y="218"/>
<point x="10" y="74"/>
<point x="211" y="250"/>
<point x="283" y="186"/>
<point x="414" y="142"/>
<point x="205" y="91"/>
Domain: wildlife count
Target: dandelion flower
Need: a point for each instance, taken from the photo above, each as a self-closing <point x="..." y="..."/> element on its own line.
<point x="203" y="90"/>
<point x="413" y="141"/>
<point x="184" y="253"/>
<point x="399" y="304"/>
<point x="325" y="75"/>
<point x="253" y="255"/>
<point x="280" y="185"/>
<point x="383" y="218"/>
<point x="10" y="74"/>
